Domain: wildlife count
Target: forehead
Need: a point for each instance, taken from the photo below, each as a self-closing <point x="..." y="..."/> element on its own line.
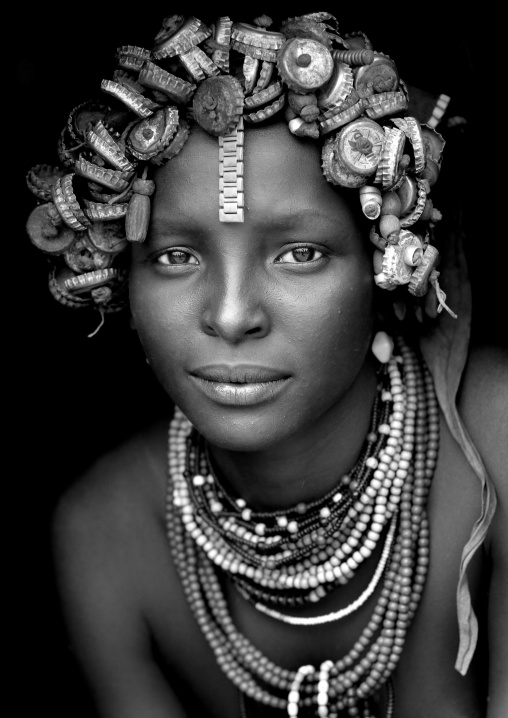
<point x="282" y="181"/>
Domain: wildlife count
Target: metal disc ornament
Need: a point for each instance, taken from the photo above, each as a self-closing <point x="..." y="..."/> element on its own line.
<point x="360" y="145"/>
<point x="218" y="104"/>
<point x="305" y="65"/>
<point x="336" y="171"/>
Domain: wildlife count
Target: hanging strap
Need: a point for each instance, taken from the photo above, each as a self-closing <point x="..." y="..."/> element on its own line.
<point x="445" y="349"/>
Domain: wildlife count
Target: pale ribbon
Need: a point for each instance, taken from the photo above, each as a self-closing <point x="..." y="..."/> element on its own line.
<point x="445" y="349"/>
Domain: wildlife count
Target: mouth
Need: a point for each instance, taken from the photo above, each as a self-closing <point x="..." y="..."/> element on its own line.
<point x="240" y="385"/>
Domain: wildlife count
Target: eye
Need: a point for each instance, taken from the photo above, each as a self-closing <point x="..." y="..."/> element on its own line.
<point x="300" y="255"/>
<point x="176" y="257"/>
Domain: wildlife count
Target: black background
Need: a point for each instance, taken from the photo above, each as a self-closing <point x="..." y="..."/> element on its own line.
<point x="73" y="397"/>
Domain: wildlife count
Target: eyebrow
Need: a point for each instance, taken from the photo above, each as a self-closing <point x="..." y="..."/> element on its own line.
<point x="292" y="218"/>
<point x="175" y="226"/>
<point x="285" y="219"/>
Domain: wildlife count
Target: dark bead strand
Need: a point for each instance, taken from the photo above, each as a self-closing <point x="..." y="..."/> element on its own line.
<point x="308" y="522"/>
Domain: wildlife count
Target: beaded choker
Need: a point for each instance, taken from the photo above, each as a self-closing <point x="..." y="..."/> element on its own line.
<point x="284" y="559"/>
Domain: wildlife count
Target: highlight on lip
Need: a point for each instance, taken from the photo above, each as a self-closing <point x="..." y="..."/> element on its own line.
<point x="241" y="384"/>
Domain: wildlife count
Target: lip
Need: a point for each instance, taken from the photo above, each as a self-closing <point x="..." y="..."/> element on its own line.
<point x="240" y="384"/>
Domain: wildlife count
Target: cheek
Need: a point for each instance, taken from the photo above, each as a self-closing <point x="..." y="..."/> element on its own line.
<point x="335" y="335"/>
<point x="338" y="318"/>
<point x="163" y="322"/>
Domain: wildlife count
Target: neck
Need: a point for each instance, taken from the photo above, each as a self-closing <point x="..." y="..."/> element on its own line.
<point x="308" y="464"/>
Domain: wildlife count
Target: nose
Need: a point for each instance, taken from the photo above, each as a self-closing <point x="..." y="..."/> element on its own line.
<point x="234" y="308"/>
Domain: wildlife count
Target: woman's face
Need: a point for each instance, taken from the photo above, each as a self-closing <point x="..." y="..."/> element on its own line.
<point x="255" y="329"/>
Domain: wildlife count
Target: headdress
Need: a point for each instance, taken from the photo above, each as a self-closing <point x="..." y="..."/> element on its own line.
<point x="331" y="87"/>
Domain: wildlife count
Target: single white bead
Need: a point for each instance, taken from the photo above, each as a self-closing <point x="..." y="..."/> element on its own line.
<point x="295" y="124"/>
<point x="382" y="347"/>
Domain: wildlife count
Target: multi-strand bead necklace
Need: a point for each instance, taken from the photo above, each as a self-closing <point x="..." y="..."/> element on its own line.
<point x="280" y="560"/>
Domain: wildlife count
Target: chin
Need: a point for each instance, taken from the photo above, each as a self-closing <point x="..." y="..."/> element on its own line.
<point x="242" y="429"/>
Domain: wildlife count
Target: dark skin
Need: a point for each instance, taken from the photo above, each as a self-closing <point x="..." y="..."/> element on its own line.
<point x="203" y="292"/>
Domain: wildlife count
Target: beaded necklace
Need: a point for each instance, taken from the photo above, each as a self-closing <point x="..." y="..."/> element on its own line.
<point x="280" y="564"/>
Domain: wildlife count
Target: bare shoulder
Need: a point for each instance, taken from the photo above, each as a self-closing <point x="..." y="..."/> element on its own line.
<point x="483" y="405"/>
<point x="108" y="521"/>
<point x="110" y="549"/>
<point x="119" y="488"/>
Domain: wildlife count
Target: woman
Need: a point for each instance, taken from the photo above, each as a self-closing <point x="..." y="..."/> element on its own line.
<point x="260" y="330"/>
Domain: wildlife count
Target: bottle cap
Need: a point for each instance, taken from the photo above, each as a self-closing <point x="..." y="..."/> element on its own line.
<point x="103" y="144"/>
<point x="304" y="65"/>
<point x="266" y="95"/>
<point x="175" y="38"/>
<point x="255" y="36"/>
<point x="337" y="88"/>
<point x="149" y="137"/>
<point x="176" y="144"/>
<point x="419" y="282"/>
<point x="360" y="145"/>
<point x="132" y="57"/>
<point x="134" y="101"/>
<point x="108" y="237"/>
<point x="386" y="104"/>
<point x="218" y="104"/>
<point x="221" y="33"/>
<point x="154" y="77"/>
<point x="82" y="256"/>
<point x="100" y="212"/>
<point x="408" y="194"/>
<point x="388" y="168"/>
<point x="342" y="117"/>
<point x="45" y="235"/>
<point x="434" y="144"/>
<point x="265" y="112"/>
<point x="41" y="179"/>
<point x="67" y="204"/>
<point x="413" y="131"/>
<point x="114" y="180"/>
<point x="335" y="171"/>
<point x="379" y="76"/>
